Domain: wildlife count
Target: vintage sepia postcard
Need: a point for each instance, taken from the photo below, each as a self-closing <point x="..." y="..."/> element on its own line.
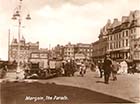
<point x="69" y="51"/>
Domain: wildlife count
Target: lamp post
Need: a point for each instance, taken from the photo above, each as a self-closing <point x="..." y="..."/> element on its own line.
<point x="17" y="15"/>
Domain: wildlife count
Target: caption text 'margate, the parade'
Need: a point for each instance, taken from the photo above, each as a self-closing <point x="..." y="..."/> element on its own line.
<point x="45" y="98"/>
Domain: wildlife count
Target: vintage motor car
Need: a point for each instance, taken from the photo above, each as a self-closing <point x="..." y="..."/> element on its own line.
<point x="33" y="71"/>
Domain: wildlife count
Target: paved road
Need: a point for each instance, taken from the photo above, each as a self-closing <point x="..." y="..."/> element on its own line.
<point x="126" y="87"/>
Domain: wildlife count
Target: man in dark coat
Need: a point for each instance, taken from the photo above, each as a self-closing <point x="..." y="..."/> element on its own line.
<point x="107" y="68"/>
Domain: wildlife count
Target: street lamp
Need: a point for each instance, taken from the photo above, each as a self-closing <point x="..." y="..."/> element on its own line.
<point x="18" y="16"/>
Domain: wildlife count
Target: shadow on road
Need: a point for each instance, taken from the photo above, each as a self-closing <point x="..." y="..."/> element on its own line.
<point x="16" y="93"/>
<point x="99" y="81"/>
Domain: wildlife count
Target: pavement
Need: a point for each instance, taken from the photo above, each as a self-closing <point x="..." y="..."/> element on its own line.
<point x="126" y="87"/>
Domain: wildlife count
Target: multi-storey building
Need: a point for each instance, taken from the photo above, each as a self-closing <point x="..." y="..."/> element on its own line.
<point x="99" y="49"/>
<point x="85" y="49"/>
<point x="101" y="45"/>
<point x="69" y="51"/>
<point x="58" y="52"/>
<point x="25" y="50"/>
<point x="72" y="50"/>
<point x="119" y="38"/>
<point x="121" y="35"/>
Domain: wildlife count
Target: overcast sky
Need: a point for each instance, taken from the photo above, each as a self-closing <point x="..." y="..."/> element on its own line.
<point x="61" y="21"/>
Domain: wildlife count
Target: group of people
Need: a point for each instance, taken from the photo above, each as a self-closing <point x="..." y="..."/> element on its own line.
<point x="108" y="66"/>
<point x="70" y="67"/>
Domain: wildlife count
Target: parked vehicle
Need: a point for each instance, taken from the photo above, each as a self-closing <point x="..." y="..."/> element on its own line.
<point x="33" y="70"/>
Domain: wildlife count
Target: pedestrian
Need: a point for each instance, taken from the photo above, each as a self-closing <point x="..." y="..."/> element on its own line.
<point x="82" y="69"/>
<point x="115" y="68"/>
<point x="63" y="68"/>
<point x="92" y="66"/>
<point x="73" y="67"/>
<point x="124" y="67"/>
<point x="68" y="69"/>
<point x="107" y="67"/>
<point x="100" y="67"/>
<point x="66" y="66"/>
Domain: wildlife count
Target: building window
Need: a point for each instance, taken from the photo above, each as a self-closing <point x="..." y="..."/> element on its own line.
<point x="114" y="37"/>
<point x="114" y="44"/>
<point x="119" y="35"/>
<point x="110" y="46"/>
<point x="110" y="37"/>
<point x="126" y="42"/>
<point x="122" y="43"/>
<point x="119" y="44"/>
<point x="123" y="34"/>
<point x="126" y="33"/>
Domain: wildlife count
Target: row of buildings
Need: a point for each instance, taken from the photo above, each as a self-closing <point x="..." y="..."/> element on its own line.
<point x="74" y="51"/>
<point x="25" y="50"/>
<point x="30" y="50"/>
<point x="120" y="39"/>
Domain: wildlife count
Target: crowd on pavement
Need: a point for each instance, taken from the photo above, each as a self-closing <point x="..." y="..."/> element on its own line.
<point x="106" y="67"/>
